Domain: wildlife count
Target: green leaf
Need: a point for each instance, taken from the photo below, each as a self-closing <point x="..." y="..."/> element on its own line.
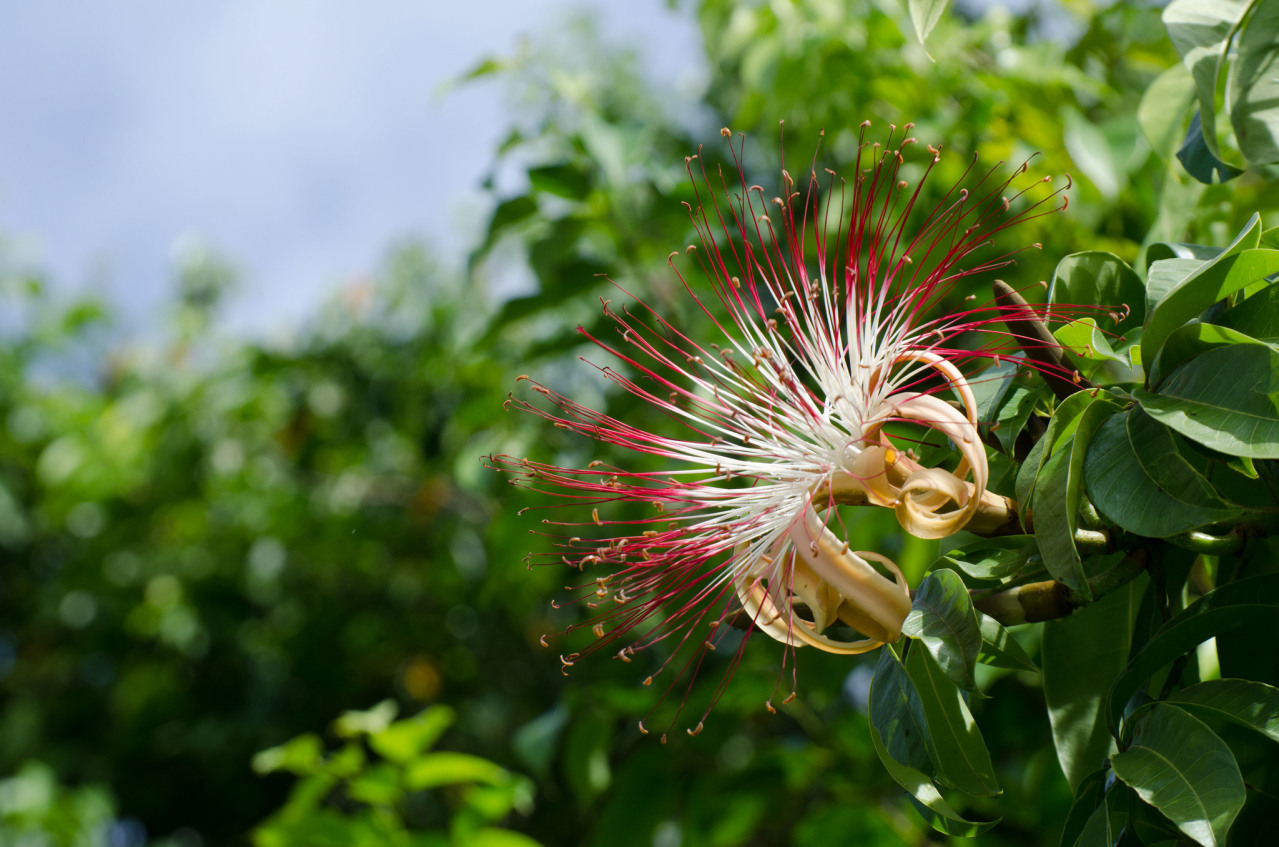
<point x="1136" y="476"/>
<point x="1238" y="266"/>
<point x="1257" y="317"/>
<point x="1201" y="32"/>
<point x="1060" y="427"/>
<point x="376" y="719"/>
<point x="1226" y="399"/>
<point x="899" y="733"/>
<point x="1178" y="765"/>
<point x="1091" y="352"/>
<point x="437" y="769"/>
<point x="1164" y="275"/>
<point x="1161" y="113"/>
<point x="897" y="716"/>
<point x="1000" y="649"/>
<point x="1006" y="398"/>
<point x="585" y="757"/>
<point x="407" y="739"/>
<point x="1198" y="158"/>
<point x="931" y="805"/>
<point x="1105" y="826"/>
<point x="536" y="742"/>
<point x="942" y="617"/>
<point x="1229" y="608"/>
<point x="1057" y="493"/>
<point x="1189" y="341"/>
<point x="992" y="558"/>
<point x="563" y="180"/>
<point x="1090" y="794"/>
<point x="302" y="755"/>
<point x="507" y="214"/>
<point x="924" y="15"/>
<point x="377" y="786"/>
<point x="1024" y="487"/>
<point x="1090" y="151"/>
<point x="958" y="750"/>
<point x="1081" y="656"/>
<point x="1253" y="86"/>
<point x="1243" y="701"/>
<point x="491" y="836"/>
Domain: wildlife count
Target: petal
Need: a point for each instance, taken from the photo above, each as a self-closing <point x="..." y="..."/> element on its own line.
<point x="884" y="603"/>
<point x="917" y="510"/>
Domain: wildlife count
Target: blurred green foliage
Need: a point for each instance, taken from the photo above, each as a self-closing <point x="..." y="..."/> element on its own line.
<point x="212" y="546"/>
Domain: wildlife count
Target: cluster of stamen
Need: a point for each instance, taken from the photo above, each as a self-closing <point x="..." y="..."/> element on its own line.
<point x="795" y="411"/>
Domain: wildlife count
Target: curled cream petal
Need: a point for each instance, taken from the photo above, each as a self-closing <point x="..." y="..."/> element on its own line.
<point x="870" y="468"/>
<point x="787" y="628"/>
<point x="832" y="583"/>
<point x="917" y="513"/>
<point x="953" y="376"/>
<point x="937" y="487"/>
<point x="863" y="588"/>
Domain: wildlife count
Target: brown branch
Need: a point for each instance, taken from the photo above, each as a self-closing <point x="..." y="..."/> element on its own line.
<point x="1043" y="601"/>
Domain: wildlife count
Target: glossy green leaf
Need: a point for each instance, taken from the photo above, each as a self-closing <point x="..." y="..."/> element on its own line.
<point x="1200" y="160"/>
<point x="992" y="558"/>
<point x="1081" y="656"/>
<point x="1184" y="343"/>
<point x="1100" y="279"/>
<point x="1256" y="317"/>
<point x="1061" y="426"/>
<point x="1136" y="477"/>
<point x="1026" y="476"/>
<point x="1090" y="794"/>
<point x="1105" y="825"/>
<point x="1241" y="264"/>
<point x="1176" y="764"/>
<point x="1000" y="648"/>
<point x="959" y="752"/>
<point x="1057" y="493"/>
<point x="942" y="617"/>
<point x="1163" y="250"/>
<point x="1226" y="399"/>
<point x="931" y="805"/>
<point x="1201" y="31"/>
<point x="1253" y="85"/>
<point x="1091" y="349"/>
<point x="1232" y="607"/>
<point x="1242" y="701"/>
<point x="900" y="734"/>
<point x="897" y="716"/>
<point x="1006" y="397"/>
<point x="1166" y="274"/>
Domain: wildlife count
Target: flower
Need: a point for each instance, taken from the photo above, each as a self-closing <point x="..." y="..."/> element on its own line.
<point x="796" y="408"/>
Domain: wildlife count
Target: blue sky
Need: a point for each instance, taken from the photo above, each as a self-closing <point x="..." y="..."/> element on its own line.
<point x="297" y="137"/>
